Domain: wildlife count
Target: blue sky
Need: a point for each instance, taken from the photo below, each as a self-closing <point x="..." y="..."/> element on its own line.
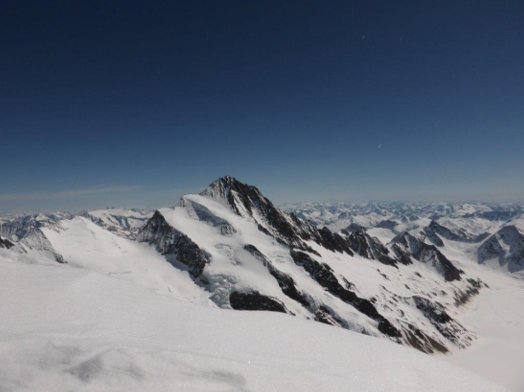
<point x="132" y="103"/>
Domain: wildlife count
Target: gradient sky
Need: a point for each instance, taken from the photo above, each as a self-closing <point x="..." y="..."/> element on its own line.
<point x="134" y="103"/>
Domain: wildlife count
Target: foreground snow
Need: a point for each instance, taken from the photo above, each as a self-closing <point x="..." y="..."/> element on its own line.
<point x="65" y="328"/>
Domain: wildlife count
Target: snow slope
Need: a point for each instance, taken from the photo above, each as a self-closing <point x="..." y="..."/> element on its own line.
<point x="66" y="328"/>
<point x="498" y="317"/>
<point x="82" y="243"/>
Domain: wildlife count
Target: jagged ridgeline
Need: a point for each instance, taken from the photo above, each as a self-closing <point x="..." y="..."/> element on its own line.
<point x="251" y="255"/>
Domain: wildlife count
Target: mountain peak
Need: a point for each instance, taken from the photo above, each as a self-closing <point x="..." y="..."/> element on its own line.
<point x="227" y="181"/>
<point x="223" y="185"/>
<point x="238" y="195"/>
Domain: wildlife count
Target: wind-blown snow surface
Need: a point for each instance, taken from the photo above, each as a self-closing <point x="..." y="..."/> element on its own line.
<point x="66" y="328"/>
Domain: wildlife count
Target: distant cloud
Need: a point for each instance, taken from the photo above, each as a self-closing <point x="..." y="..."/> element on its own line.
<point x="65" y="194"/>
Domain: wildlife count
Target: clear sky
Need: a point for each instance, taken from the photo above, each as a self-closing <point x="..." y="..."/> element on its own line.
<point x="131" y="103"/>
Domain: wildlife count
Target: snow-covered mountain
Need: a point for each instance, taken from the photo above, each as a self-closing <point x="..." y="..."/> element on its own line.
<point x="16" y="227"/>
<point x="337" y="216"/>
<point x="505" y="247"/>
<point x="121" y="221"/>
<point x="251" y="255"/>
<point x="407" y="273"/>
<point x="124" y="222"/>
<point x="490" y="233"/>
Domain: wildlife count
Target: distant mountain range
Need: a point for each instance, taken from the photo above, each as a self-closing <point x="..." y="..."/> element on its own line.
<point x="493" y="231"/>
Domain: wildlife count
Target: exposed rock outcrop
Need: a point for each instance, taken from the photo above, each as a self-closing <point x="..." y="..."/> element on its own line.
<point x="174" y="244"/>
<point x="4" y="243"/>
<point x="407" y="245"/>
<point x="506" y="247"/>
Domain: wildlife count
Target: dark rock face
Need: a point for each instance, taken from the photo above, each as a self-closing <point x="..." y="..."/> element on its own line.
<point x="431" y="310"/>
<point x="325" y="276"/>
<point x="463" y="296"/>
<point x="285" y="282"/>
<point x="402" y="255"/>
<point x="328" y="316"/>
<point x="354" y="227"/>
<point x="491" y="249"/>
<point x="434" y="230"/>
<point x="286" y="228"/>
<point x="5" y="243"/>
<point x="445" y="266"/>
<point x="506" y="246"/>
<point x="369" y="247"/>
<point x="433" y="237"/>
<point x="333" y="241"/>
<point x="409" y="245"/>
<point x="421" y="341"/>
<point x="500" y="215"/>
<point x="190" y="254"/>
<point x="437" y="315"/>
<point x="321" y="312"/>
<point x="387" y="224"/>
<point x="169" y="241"/>
<point x="244" y="199"/>
<point x="253" y="300"/>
